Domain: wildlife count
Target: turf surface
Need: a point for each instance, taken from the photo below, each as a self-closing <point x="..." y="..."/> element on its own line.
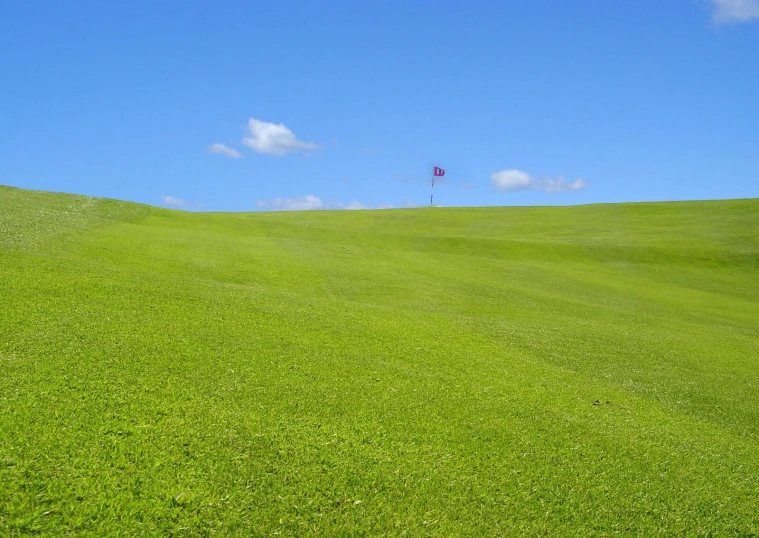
<point x="586" y="370"/>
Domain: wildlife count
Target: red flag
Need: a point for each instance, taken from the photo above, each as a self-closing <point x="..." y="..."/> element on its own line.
<point x="438" y="172"/>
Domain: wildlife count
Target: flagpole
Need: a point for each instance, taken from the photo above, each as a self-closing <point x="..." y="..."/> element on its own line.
<point x="436" y="172"/>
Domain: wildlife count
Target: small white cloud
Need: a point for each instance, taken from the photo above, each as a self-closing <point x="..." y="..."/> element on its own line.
<point x="353" y="204"/>
<point x="560" y="184"/>
<point x="516" y="180"/>
<point x="734" y="11"/>
<point x="274" y="139"/>
<point x="221" y="149"/>
<point x="310" y="202"/>
<point x="302" y="203"/>
<point x="178" y="202"/>
<point x="411" y="203"/>
<point x="173" y="201"/>
<point x="511" y="180"/>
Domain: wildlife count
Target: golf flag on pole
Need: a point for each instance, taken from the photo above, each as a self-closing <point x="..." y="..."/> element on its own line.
<point x="436" y="172"/>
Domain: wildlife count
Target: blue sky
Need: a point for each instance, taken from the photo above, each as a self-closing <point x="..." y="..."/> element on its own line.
<point x="246" y="106"/>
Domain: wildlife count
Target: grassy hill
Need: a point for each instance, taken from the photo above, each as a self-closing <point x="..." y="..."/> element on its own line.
<point x="550" y="371"/>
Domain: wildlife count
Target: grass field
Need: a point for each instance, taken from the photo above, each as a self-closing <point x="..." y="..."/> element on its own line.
<point x="545" y="371"/>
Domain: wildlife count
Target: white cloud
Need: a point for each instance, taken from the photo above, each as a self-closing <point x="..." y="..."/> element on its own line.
<point x="734" y="11"/>
<point x="511" y="180"/>
<point x="516" y="180"/>
<point x="221" y="149"/>
<point x="303" y="203"/>
<point x="274" y="139"/>
<point x="560" y="184"/>
<point x="353" y="204"/>
<point x="173" y="201"/>
<point x="310" y="202"/>
<point x="178" y="202"/>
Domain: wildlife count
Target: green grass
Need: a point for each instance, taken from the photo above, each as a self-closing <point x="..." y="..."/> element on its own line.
<point x="581" y="371"/>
